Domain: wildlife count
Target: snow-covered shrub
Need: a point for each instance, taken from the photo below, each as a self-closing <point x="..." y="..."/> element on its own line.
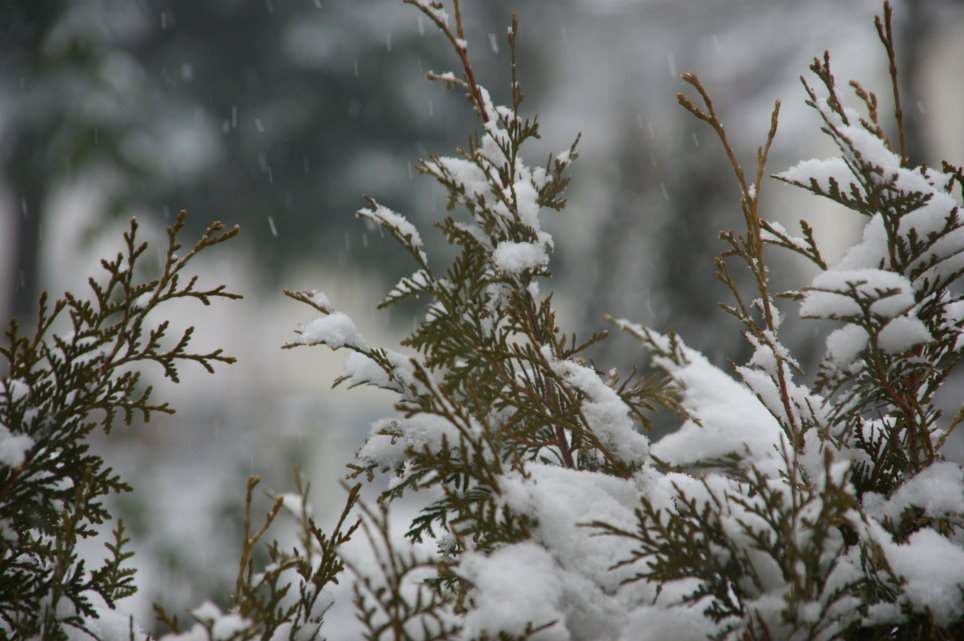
<point x="79" y="370"/>
<point x="784" y="507"/>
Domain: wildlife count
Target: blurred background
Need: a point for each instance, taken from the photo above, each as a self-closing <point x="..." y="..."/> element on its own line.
<point x="277" y="115"/>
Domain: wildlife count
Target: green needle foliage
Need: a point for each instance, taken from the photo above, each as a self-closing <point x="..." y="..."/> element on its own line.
<point x="79" y="370"/>
<point x="497" y="379"/>
<point x="490" y="366"/>
<point x="780" y="509"/>
<point x="860" y="448"/>
<point x="290" y="597"/>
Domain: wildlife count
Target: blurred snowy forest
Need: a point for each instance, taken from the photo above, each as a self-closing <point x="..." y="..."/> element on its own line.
<point x="277" y="115"/>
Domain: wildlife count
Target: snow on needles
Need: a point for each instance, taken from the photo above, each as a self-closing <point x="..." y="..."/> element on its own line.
<point x="334" y="330"/>
<point x="213" y="625"/>
<point x="514" y="586"/>
<point x="514" y="204"/>
<point x="822" y="173"/>
<point x="606" y="413"/>
<point x="579" y="582"/>
<point x="397" y="225"/>
<point x="360" y="369"/>
<point x="931" y="568"/>
<point x="871" y="277"/>
<point x="936" y="490"/>
<point x="902" y="333"/>
<point x="434" y="10"/>
<point x="762" y="473"/>
<point x="731" y="417"/>
<point x="838" y="293"/>
<point x="13" y="447"/>
<point x="393" y="438"/>
<point x="519" y="257"/>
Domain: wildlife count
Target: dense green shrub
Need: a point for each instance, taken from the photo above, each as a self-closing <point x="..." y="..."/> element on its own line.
<point x="781" y="508"/>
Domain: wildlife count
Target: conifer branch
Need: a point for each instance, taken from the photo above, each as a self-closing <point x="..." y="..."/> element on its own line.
<point x="60" y="387"/>
<point x="459" y="44"/>
<point x="248" y="540"/>
<point x="885" y="32"/>
<point x="750" y="248"/>
<point x="502" y="410"/>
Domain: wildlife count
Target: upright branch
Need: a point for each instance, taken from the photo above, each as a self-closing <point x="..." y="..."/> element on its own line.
<point x="750" y="247"/>
<point x="885" y="32"/>
<point x="494" y="383"/>
<point x="249" y="540"/>
<point x="436" y="13"/>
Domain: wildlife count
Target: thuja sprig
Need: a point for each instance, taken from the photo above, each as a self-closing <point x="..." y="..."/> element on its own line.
<point x="60" y="386"/>
<point x="750" y="248"/>
<point x="919" y="218"/>
<point x="435" y="11"/>
<point x="494" y="384"/>
<point x="249" y="540"/>
<point x="290" y="596"/>
<point x="488" y="343"/>
<point x="771" y="512"/>
<point x="770" y="542"/>
<point x="868" y="427"/>
<point x="885" y="32"/>
<point x="729" y="539"/>
<point x="292" y="591"/>
<point x="394" y="602"/>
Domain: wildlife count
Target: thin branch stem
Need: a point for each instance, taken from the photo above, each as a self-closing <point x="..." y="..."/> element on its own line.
<point x="461" y="47"/>
<point x="249" y="540"/>
<point x="886" y="33"/>
<point x="710" y="117"/>
<point x="458" y="42"/>
<point x="752" y="248"/>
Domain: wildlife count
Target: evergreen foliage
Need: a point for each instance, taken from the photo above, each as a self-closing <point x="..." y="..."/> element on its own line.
<point x="810" y="521"/>
<point x="77" y="371"/>
<point x="784" y="506"/>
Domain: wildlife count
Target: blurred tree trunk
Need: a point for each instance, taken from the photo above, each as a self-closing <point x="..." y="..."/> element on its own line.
<point x="27" y="230"/>
<point x="22" y="29"/>
<point x="915" y="27"/>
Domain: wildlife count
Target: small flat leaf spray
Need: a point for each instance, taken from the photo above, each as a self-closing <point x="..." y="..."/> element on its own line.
<point x="58" y="388"/>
